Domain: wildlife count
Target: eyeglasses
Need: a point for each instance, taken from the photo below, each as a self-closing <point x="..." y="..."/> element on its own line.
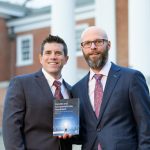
<point x="97" y="43"/>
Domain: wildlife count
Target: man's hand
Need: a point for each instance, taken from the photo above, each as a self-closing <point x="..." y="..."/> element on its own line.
<point x="65" y="136"/>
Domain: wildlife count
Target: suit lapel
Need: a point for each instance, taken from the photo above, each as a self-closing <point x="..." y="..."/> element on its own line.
<point x="68" y="87"/>
<point x="86" y="98"/>
<point x="43" y="84"/>
<point x="112" y="79"/>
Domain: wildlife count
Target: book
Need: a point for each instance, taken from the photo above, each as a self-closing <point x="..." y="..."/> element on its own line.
<point x="66" y="116"/>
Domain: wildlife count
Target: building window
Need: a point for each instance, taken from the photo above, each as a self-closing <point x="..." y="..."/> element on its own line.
<point x="79" y="30"/>
<point x="24" y="50"/>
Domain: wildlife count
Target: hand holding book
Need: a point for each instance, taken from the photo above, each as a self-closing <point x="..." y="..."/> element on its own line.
<point x="66" y="117"/>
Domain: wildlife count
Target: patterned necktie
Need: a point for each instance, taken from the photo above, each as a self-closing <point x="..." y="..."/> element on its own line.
<point x="98" y="93"/>
<point x="58" y="94"/>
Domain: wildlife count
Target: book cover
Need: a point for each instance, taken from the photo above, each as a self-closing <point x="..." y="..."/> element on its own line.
<point x="66" y="116"/>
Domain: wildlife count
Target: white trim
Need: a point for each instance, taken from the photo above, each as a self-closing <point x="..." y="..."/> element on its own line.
<point x="85" y="12"/>
<point x="86" y="15"/>
<point x="42" y="21"/>
<point x="19" y="61"/>
<point x="32" y="26"/>
<point x="12" y="12"/>
<point x="4" y="84"/>
<point x="139" y="35"/>
<point x="3" y="15"/>
<point x="81" y="26"/>
<point x="30" y="23"/>
<point x="108" y="22"/>
<point x="77" y="29"/>
<point x="85" y="9"/>
<point x="28" y="20"/>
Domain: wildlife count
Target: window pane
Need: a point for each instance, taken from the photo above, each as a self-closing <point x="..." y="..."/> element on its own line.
<point x="24" y="50"/>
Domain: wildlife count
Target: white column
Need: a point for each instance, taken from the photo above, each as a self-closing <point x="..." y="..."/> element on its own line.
<point x="105" y="18"/>
<point x="63" y="25"/>
<point x="139" y="36"/>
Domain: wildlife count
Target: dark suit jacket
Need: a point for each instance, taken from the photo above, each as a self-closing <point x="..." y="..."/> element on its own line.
<point x="28" y="115"/>
<point x="124" y="121"/>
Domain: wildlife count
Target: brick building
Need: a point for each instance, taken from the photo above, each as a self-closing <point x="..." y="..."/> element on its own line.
<point x="22" y="29"/>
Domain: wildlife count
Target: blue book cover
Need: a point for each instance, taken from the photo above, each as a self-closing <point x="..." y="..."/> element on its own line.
<point x="66" y="116"/>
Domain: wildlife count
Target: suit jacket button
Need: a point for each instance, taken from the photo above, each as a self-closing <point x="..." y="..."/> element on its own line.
<point x="98" y="130"/>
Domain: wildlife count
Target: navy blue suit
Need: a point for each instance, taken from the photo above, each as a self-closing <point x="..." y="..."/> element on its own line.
<point x="124" y="121"/>
<point x="28" y="115"/>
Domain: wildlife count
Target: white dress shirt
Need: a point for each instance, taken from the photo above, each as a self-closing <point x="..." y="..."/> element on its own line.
<point x="104" y="71"/>
<point x="51" y="80"/>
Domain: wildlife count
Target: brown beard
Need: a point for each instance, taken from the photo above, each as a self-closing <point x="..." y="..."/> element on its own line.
<point x="99" y="62"/>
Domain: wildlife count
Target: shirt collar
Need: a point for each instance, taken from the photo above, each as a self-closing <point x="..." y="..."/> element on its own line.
<point x="104" y="71"/>
<point x="49" y="78"/>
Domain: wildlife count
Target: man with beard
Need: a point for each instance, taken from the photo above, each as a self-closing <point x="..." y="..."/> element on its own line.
<point x="114" y="100"/>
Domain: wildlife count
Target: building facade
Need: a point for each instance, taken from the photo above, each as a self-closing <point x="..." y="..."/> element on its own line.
<point x="23" y="29"/>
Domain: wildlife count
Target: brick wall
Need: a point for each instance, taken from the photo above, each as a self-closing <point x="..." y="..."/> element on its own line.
<point x="4" y="52"/>
<point x="122" y="31"/>
<point x="8" y="47"/>
<point x="38" y="36"/>
<point x="2" y="95"/>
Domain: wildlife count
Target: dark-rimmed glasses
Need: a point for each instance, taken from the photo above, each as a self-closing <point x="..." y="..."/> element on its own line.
<point x="97" y="43"/>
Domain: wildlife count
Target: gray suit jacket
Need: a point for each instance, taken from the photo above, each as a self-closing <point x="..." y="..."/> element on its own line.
<point x="124" y="121"/>
<point x="28" y="115"/>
